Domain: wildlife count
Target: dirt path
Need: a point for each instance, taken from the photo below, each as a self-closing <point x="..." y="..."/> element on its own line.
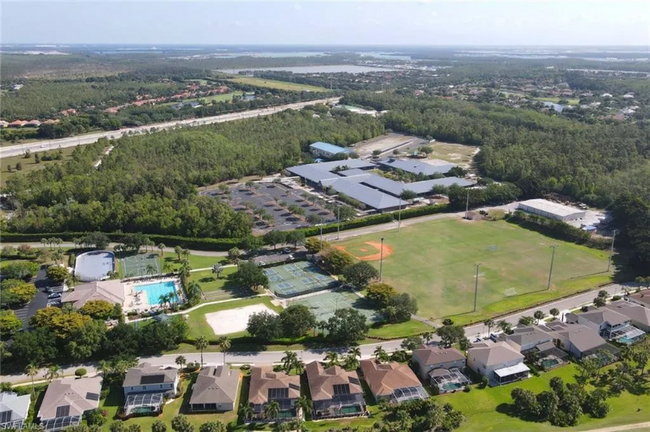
<point x="637" y="426"/>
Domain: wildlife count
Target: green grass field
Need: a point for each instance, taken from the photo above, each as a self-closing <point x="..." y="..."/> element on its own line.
<point x="434" y="261"/>
<point x="572" y="101"/>
<point x="280" y="85"/>
<point x="196" y="261"/>
<point x="218" y="289"/>
<point x="29" y="164"/>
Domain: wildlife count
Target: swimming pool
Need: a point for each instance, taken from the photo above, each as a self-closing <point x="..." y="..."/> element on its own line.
<point x="157" y="289"/>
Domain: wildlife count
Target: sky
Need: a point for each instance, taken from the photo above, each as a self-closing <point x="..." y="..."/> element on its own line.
<point x="307" y="22"/>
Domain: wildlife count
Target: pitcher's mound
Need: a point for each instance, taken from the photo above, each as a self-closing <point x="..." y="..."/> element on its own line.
<point x="365" y="253"/>
<point x="234" y="320"/>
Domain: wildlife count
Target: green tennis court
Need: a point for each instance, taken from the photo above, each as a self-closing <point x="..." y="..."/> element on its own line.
<point x="147" y="264"/>
<point x="298" y="278"/>
<point x="324" y="305"/>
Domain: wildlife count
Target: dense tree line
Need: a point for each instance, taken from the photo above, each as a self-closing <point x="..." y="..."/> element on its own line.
<point x="147" y="183"/>
<point x="536" y="152"/>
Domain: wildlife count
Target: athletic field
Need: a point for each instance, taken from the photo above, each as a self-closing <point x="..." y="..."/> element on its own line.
<point x="434" y="261"/>
<point x="147" y="264"/>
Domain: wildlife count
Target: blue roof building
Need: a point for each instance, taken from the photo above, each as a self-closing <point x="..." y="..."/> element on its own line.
<point x="327" y="150"/>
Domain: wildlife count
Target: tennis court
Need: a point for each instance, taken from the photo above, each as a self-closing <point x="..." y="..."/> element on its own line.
<point x="147" y="264"/>
<point x="298" y="278"/>
<point x="324" y="305"/>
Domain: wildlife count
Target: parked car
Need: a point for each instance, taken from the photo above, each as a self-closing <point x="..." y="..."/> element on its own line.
<point x="54" y="296"/>
<point x="286" y="250"/>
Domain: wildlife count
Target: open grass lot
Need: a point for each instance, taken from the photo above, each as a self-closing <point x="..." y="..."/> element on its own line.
<point x="457" y="153"/>
<point x="218" y="289"/>
<point x="481" y="407"/>
<point x="280" y="85"/>
<point x="398" y="331"/>
<point x="29" y="164"/>
<point x="196" y="261"/>
<point x="434" y="261"/>
<point x="572" y="101"/>
<point x="200" y="327"/>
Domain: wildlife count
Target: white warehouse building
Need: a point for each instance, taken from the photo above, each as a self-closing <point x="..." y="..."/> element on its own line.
<point x="551" y="210"/>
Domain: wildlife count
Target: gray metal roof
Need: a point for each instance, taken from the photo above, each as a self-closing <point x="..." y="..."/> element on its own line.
<point x="311" y="173"/>
<point x="422" y="187"/>
<point x="351" y="172"/>
<point x="416" y="167"/>
<point x="317" y="172"/>
<point x="370" y="197"/>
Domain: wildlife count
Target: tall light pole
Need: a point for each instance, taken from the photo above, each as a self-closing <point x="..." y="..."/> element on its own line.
<point x="477" y="265"/>
<point x="321" y="235"/>
<point x="611" y="252"/>
<point x="550" y="272"/>
<point x="467" y="206"/>
<point x="399" y="215"/>
<point x="338" y="223"/>
<point x="381" y="258"/>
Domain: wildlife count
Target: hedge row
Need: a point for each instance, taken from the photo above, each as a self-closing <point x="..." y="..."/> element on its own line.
<point x="213" y="244"/>
<point x="224" y="244"/>
<point x="377" y="219"/>
<point x="557" y="229"/>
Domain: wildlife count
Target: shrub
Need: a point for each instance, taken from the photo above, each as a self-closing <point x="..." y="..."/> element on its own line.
<point x="80" y="372"/>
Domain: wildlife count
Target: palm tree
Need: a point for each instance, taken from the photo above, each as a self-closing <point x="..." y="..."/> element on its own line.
<point x="201" y="344"/>
<point x="178" y="250"/>
<point x="104" y="367"/>
<point x="161" y="248"/>
<point x="43" y="241"/>
<point x="185" y="269"/>
<point x="185" y="253"/>
<point x="53" y="372"/>
<point x="332" y="359"/>
<point x="58" y="256"/>
<point x="151" y="270"/>
<point x="224" y="345"/>
<point x="355" y="351"/>
<point x="181" y="361"/>
<point x="217" y="268"/>
<point x="427" y="336"/>
<point x="289" y="360"/>
<point x="162" y="300"/>
<point x="304" y="404"/>
<point x="245" y="411"/>
<point x="489" y="323"/>
<point x="299" y="367"/>
<point x="380" y="354"/>
<point x="272" y="410"/>
<point x="351" y="362"/>
<point x="32" y="371"/>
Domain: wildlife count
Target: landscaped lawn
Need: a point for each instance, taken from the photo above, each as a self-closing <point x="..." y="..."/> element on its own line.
<point x="196" y="261"/>
<point x="434" y="262"/>
<point x="281" y="85"/>
<point x="482" y="407"/>
<point x="218" y="289"/>
<point x="401" y="330"/>
<point x="572" y="101"/>
<point x="198" y="325"/>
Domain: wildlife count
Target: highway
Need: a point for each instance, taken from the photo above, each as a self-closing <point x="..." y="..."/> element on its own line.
<point x="46" y="145"/>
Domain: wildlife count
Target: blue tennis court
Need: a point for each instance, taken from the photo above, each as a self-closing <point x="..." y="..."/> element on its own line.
<point x="298" y="278"/>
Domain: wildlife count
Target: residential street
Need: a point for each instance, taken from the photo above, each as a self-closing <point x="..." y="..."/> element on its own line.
<point x="267" y="357"/>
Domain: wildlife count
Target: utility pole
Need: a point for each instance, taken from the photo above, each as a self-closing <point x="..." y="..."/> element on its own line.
<point x="477" y="265"/>
<point x="550" y="272"/>
<point x="399" y="215"/>
<point x="467" y="206"/>
<point x="338" y="223"/>
<point x="611" y="252"/>
<point x="321" y="235"/>
<point x="381" y="259"/>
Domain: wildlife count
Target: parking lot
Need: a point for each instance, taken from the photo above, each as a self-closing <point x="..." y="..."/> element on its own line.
<point x="274" y="199"/>
<point x="40" y="301"/>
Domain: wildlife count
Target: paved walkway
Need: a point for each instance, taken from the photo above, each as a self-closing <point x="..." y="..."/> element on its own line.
<point x="635" y="426"/>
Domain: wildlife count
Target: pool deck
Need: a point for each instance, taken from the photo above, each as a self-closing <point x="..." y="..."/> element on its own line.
<point x="137" y="301"/>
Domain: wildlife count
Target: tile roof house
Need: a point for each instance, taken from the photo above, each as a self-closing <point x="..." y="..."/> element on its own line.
<point x="427" y="359"/>
<point x="66" y="400"/>
<point x="267" y="385"/>
<point x="335" y="392"/>
<point x="394" y="382"/>
<point x="501" y="362"/>
<point x="145" y="388"/>
<point x="527" y="338"/>
<point x="606" y="321"/>
<point x="576" y="339"/>
<point x="13" y="410"/>
<point x="215" y="389"/>
<point x="111" y="291"/>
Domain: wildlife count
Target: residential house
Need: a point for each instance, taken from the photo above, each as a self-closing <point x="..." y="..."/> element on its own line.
<point x="608" y="322"/>
<point x="638" y="315"/>
<point x="67" y="400"/>
<point x="111" y="291"/>
<point x="215" y="389"/>
<point x="501" y="362"/>
<point x="267" y="386"/>
<point x="576" y="339"/>
<point x="394" y="382"/>
<point x="427" y="359"/>
<point x="3" y="124"/>
<point x="442" y="367"/>
<point x="335" y="392"/>
<point x="146" y="387"/>
<point x="13" y="410"/>
<point x="527" y="338"/>
<point x="641" y="298"/>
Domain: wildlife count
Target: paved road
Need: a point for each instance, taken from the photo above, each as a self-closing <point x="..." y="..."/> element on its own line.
<point x="268" y="357"/>
<point x="19" y="149"/>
